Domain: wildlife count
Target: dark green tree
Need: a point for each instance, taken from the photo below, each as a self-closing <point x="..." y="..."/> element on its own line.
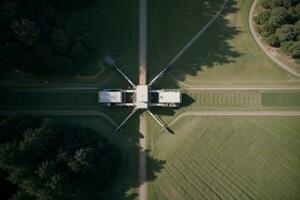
<point x="51" y="162"/>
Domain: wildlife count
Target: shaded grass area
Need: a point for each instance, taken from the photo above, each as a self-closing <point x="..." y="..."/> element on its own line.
<point x="228" y="158"/>
<point x="67" y="99"/>
<point x="225" y="52"/>
<point x="114" y="23"/>
<point x="281" y="98"/>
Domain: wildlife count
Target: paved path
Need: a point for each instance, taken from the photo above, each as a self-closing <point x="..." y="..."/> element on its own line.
<point x="143" y="81"/>
<point x="59" y="113"/>
<point x="235" y="113"/>
<point x="261" y="44"/>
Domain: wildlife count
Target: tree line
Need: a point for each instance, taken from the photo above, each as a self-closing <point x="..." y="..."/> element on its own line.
<point x="37" y="38"/>
<point x="42" y="159"/>
<point x="278" y="21"/>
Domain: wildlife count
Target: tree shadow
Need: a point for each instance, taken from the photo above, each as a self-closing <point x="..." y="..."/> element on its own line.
<point x="128" y="182"/>
<point x="211" y="48"/>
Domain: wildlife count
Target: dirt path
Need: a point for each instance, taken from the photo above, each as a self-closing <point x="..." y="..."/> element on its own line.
<point x="143" y="81"/>
<point x="261" y="44"/>
<point x="235" y="113"/>
<point x="59" y="113"/>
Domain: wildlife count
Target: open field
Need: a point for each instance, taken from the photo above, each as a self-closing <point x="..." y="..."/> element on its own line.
<point x="228" y="158"/>
<point x="225" y="53"/>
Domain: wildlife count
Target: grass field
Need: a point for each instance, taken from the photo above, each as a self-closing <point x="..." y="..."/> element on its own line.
<point x="228" y="158"/>
<point x="281" y="99"/>
<point x="226" y="52"/>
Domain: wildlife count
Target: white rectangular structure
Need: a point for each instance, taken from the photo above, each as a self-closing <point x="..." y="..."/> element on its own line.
<point x="142" y="96"/>
<point x="169" y="97"/>
<point x="110" y="97"/>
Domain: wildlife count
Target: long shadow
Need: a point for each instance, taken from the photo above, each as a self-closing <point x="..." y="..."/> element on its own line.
<point x="211" y="48"/>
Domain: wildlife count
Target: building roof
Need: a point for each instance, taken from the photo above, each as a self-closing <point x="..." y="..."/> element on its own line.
<point x="142" y="96"/>
<point x="169" y="97"/>
<point x="110" y="97"/>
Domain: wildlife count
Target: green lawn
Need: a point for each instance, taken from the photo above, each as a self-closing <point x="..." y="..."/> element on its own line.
<point x="225" y="54"/>
<point x="228" y="158"/>
<point x="281" y="98"/>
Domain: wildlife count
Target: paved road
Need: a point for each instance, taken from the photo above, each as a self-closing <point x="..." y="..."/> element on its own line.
<point x="142" y="81"/>
<point x="261" y="44"/>
<point x="235" y="113"/>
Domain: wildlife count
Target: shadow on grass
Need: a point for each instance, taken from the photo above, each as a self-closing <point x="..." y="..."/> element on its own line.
<point x="128" y="182"/>
<point x="211" y="48"/>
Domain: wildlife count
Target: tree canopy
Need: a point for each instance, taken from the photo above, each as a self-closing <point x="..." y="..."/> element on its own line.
<point x="45" y="160"/>
<point x="278" y="21"/>
<point x="36" y="37"/>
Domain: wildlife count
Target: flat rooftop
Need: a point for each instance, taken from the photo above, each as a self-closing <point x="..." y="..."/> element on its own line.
<point x="142" y="96"/>
<point x="169" y="97"/>
<point x="110" y="97"/>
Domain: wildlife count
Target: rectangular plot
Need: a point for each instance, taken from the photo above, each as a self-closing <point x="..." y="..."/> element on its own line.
<point x="280" y="98"/>
<point x="226" y="98"/>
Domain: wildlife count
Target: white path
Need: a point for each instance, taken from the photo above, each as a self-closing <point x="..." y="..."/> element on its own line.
<point x="262" y="46"/>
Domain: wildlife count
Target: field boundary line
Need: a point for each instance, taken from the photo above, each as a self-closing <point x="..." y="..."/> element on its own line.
<point x="262" y="46"/>
<point x="235" y="113"/>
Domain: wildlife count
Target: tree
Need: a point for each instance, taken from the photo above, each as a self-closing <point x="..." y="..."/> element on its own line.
<point x="273" y="41"/>
<point x="278" y="21"/>
<point x="60" y="42"/>
<point x="294" y="50"/>
<point x="89" y="41"/>
<point x="286" y="33"/>
<point x="26" y="31"/>
<point x="262" y="17"/>
<point x="50" y="161"/>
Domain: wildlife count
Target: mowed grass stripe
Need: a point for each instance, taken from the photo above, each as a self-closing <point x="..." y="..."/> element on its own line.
<point x="226" y="98"/>
<point x="236" y="157"/>
<point x="281" y="98"/>
<point x="214" y="175"/>
<point x="252" y="168"/>
<point x="217" y="148"/>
